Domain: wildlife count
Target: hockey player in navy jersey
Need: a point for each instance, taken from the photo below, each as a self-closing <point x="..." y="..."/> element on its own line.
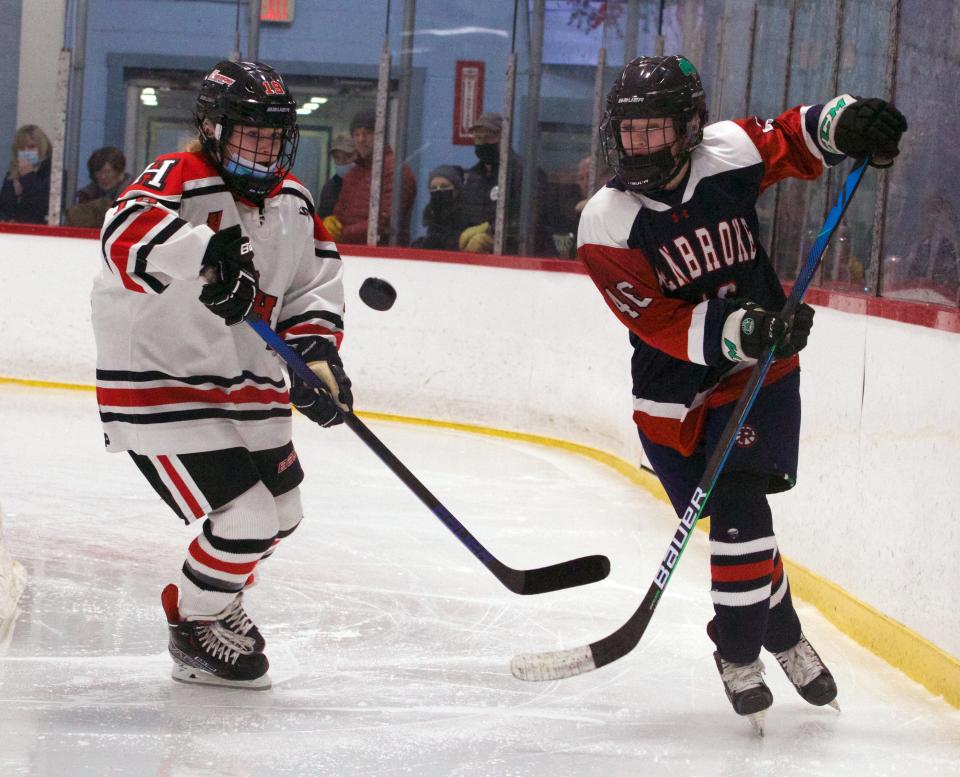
<point x="672" y="243"/>
<point x="197" y="242"/>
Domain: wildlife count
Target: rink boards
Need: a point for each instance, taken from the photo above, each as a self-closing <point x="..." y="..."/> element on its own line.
<point x="525" y="348"/>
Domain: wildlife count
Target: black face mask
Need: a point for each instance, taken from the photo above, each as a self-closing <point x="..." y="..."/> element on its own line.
<point x="488" y="153"/>
<point x="442" y="203"/>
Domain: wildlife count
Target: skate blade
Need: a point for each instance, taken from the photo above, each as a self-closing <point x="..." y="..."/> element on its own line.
<point x="188" y="674"/>
<point x="835" y="704"/>
<point x="757" y="721"/>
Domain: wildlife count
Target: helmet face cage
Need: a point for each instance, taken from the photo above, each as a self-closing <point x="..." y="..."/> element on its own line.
<point x="248" y="126"/>
<point x="666" y="93"/>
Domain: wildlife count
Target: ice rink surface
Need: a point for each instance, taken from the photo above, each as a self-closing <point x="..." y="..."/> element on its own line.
<point x="389" y="643"/>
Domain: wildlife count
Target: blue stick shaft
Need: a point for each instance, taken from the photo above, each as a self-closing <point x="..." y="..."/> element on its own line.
<point x="566" y="574"/>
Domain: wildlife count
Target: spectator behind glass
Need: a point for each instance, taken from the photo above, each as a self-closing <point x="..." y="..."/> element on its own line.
<point x="349" y="220"/>
<point x="108" y="177"/>
<point x="583" y="180"/>
<point x="342" y="154"/>
<point x="567" y="209"/>
<point x="481" y="192"/>
<point x="25" y="195"/>
<point x="443" y="215"/>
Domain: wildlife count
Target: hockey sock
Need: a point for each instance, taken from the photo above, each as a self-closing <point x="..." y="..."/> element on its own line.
<point x="783" y="625"/>
<point x="742" y="548"/>
<point x="289" y="515"/>
<point x="224" y="555"/>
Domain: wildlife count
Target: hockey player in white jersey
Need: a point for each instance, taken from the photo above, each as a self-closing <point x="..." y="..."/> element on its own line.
<point x="197" y="242"/>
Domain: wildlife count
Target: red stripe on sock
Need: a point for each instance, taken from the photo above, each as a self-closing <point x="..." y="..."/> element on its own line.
<point x="736" y="573"/>
<point x="777" y="570"/>
<point x="200" y="555"/>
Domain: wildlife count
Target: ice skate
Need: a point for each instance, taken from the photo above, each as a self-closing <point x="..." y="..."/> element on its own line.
<point x="206" y="651"/>
<point x="746" y="690"/>
<point x="808" y="674"/>
<point x="236" y="619"/>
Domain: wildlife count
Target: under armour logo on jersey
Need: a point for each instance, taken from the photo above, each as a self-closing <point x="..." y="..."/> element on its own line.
<point x="747" y="436"/>
<point x="304" y="211"/>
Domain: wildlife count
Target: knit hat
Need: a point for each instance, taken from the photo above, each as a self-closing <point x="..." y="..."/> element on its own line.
<point x="490" y="121"/>
<point x="366" y="119"/>
<point x="452" y="173"/>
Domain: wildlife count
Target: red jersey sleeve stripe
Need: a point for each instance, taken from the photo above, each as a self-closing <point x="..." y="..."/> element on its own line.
<point x="783" y="146"/>
<point x="130" y="236"/>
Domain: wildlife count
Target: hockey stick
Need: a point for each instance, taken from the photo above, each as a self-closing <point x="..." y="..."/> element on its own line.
<point x="567" y="574"/>
<point x="554" y="665"/>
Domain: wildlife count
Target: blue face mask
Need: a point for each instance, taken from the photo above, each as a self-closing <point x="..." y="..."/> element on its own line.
<point x="239" y="165"/>
<point x="30" y="155"/>
<point x="342" y="170"/>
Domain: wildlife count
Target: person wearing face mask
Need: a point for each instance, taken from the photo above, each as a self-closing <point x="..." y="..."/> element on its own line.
<point x="343" y="154"/>
<point x="481" y="191"/>
<point x="25" y="195"/>
<point x="201" y="240"/>
<point x="443" y="215"/>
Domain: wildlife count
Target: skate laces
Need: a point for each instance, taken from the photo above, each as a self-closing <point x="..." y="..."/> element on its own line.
<point x="236" y="618"/>
<point x="740" y="677"/>
<point x="801" y="663"/>
<point x="222" y="643"/>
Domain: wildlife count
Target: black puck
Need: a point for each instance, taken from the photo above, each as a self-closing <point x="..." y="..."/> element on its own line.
<point x="378" y="294"/>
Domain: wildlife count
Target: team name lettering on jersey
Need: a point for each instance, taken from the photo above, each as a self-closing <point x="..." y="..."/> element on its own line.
<point x="683" y="260"/>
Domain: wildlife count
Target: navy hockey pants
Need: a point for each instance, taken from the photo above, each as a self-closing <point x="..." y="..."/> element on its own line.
<point x="749" y="588"/>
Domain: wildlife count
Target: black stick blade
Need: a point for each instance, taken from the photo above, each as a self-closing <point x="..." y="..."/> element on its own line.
<point x="556" y="577"/>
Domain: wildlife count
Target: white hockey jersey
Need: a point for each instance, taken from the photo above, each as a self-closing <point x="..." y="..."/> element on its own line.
<point x="171" y="376"/>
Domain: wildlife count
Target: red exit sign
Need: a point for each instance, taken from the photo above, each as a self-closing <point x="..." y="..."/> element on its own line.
<point x="276" y="11"/>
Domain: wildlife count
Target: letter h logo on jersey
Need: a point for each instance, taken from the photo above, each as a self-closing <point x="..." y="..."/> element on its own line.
<point x="154" y="176"/>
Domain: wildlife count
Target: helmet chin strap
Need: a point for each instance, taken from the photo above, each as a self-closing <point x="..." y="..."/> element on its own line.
<point x="652" y="166"/>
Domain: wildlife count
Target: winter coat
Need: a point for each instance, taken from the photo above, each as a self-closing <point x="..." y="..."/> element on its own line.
<point x="354" y="203"/>
<point x="32" y="204"/>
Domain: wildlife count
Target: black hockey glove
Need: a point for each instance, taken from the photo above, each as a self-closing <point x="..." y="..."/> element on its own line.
<point x="321" y="407"/>
<point x="232" y="281"/>
<point x="750" y="331"/>
<point x="870" y="126"/>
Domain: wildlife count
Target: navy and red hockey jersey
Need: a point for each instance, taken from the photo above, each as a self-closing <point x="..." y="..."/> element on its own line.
<point x="671" y="273"/>
<point x="171" y="376"/>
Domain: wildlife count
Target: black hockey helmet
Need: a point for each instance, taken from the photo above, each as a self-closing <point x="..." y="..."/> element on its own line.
<point x="648" y="88"/>
<point x="254" y="95"/>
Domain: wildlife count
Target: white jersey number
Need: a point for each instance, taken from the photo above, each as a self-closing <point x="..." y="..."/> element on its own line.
<point x="627" y="302"/>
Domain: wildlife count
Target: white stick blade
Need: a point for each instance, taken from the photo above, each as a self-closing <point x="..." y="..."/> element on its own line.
<point x="555" y="665"/>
